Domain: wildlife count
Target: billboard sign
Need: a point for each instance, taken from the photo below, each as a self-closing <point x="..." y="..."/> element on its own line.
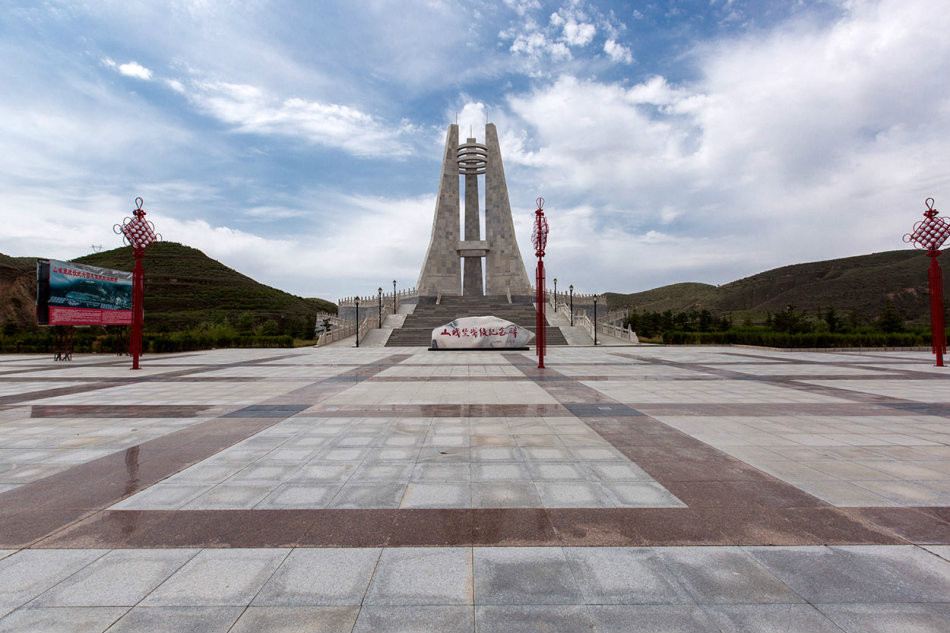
<point x="76" y="294"/>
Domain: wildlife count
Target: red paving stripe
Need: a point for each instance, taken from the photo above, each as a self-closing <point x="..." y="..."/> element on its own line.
<point x="118" y="410"/>
<point x="795" y="382"/>
<point x="508" y="527"/>
<point x="42" y="507"/>
<point x="437" y="411"/>
<point x="729" y="501"/>
<point x="744" y="501"/>
<point x="106" y="383"/>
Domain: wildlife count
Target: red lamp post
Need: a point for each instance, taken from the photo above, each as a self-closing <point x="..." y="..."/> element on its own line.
<point x="929" y="235"/>
<point x="138" y="233"/>
<point x="539" y="239"/>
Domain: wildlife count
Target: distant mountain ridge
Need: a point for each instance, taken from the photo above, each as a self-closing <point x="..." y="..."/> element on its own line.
<point x="183" y="287"/>
<point x="863" y="283"/>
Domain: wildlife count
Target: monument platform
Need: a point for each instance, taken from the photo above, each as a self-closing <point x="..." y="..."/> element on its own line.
<point x="391" y="489"/>
<point x="416" y="330"/>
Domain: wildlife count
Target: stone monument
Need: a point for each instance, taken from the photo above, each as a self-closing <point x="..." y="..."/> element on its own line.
<point x="453" y="263"/>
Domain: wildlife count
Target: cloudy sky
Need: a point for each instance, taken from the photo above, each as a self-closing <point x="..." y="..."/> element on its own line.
<point x="300" y="141"/>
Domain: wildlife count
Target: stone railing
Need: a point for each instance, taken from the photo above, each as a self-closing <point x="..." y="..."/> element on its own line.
<point x="616" y="316"/>
<point x="582" y="319"/>
<point x="624" y="334"/>
<point x="373" y="299"/>
<point x="342" y="328"/>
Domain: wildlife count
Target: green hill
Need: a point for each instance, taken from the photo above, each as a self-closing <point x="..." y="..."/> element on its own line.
<point x="863" y="283"/>
<point x="183" y="287"/>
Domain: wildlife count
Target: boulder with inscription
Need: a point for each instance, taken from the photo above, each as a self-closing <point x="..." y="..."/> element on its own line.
<point x="484" y="332"/>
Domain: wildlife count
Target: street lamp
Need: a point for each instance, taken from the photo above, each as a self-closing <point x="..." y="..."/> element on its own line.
<point x="394" y="296"/>
<point x="380" y="291"/>
<point x="356" y="300"/>
<point x="571" y="288"/>
<point x="595" y="319"/>
<point x="555" y="295"/>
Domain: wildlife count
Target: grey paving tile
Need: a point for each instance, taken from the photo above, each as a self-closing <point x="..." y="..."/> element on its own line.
<point x="505" y="495"/>
<point x="419" y="576"/>
<point x="177" y="619"/>
<point x="533" y="618"/>
<point x="297" y="620"/>
<point x="617" y="471"/>
<point x="162" y="497"/>
<point x="415" y="619"/>
<point x="770" y="618"/>
<point x="922" y="575"/>
<point x="642" y="494"/>
<point x="369" y="495"/>
<point x="890" y="618"/>
<point x="60" y="620"/>
<point x="943" y="551"/>
<point x="501" y="471"/>
<point x="557" y="471"/>
<point x="624" y="575"/>
<point x="320" y="577"/>
<point x="651" y="618"/>
<point x="823" y="576"/>
<point x="227" y="497"/>
<point x="314" y="472"/>
<point x="496" y="454"/>
<point x="383" y="472"/>
<point x="30" y="572"/>
<point x="725" y="575"/>
<point x="121" y="577"/>
<point x="299" y="496"/>
<point x="218" y="577"/>
<point x="441" y="473"/>
<point x="434" y="495"/>
<point x="524" y="575"/>
<point x="564" y="494"/>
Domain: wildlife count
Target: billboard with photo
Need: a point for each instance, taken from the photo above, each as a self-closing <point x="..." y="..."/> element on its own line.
<point x="76" y="294"/>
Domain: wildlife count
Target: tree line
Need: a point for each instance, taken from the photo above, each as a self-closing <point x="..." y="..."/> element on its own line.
<point x="786" y="328"/>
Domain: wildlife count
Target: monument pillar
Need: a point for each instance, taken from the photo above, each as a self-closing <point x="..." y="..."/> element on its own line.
<point x="504" y="270"/>
<point x="440" y="269"/>
<point x="443" y="267"/>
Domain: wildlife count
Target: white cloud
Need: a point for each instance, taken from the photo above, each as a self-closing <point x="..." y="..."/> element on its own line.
<point x="578" y="33"/>
<point x="537" y="46"/>
<point x="251" y="109"/>
<point x="618" y="53"/>
<point x="521" y="7"/>
<point x="788" y="142"/>
<point x="134" y="69"/>
<point x="129" y="69"/>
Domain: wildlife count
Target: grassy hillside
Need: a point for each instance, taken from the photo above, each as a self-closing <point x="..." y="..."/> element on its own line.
<point x="681" y="297"/>
<point x="863" y="283"/>
<point x="17" y="289"/>
<point x="183" y="287"/>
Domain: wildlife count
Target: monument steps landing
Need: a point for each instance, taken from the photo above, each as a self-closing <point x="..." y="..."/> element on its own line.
<point x="417" y="329"/>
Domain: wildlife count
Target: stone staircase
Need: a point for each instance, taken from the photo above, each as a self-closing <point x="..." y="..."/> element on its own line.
<point x="416" y="331"/>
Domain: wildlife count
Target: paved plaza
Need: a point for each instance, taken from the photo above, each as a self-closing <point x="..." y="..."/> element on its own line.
<point x="621" y="489"/>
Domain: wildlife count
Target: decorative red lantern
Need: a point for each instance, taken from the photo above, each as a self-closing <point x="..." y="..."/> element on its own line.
<point x="539" y="239"/>
<point x="929" y="234"/>
<point x="138" y="233"/>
